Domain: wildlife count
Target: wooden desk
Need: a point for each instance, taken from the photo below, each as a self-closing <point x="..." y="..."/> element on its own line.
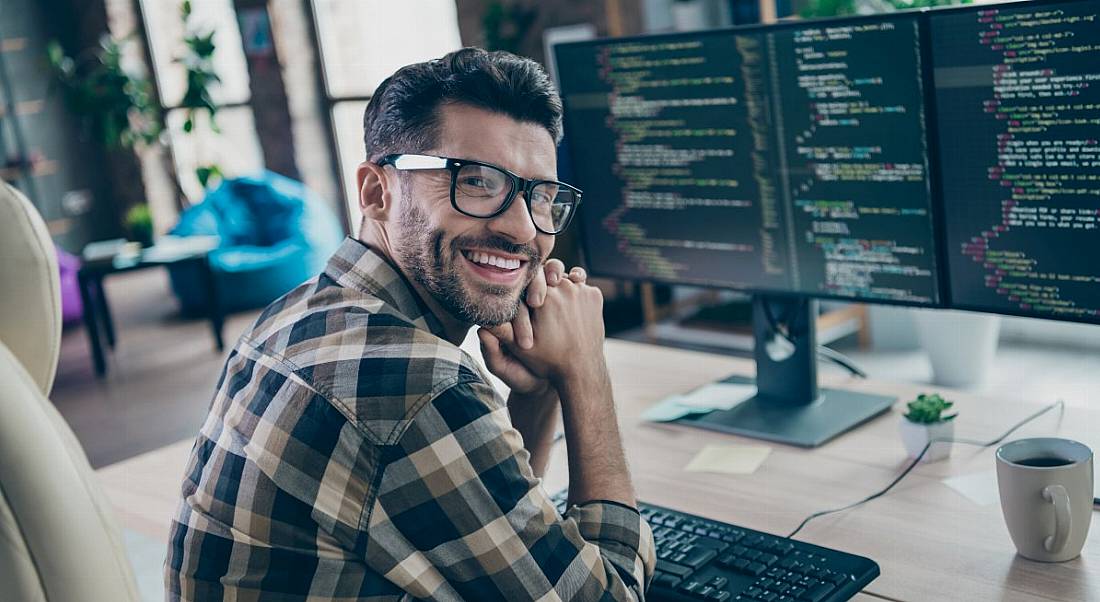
<point x="931" y="542"/>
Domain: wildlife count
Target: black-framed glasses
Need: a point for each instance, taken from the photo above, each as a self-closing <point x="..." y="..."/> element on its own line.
<point x="484" y="190"/>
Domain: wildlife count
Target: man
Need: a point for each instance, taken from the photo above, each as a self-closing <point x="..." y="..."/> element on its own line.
<point x="353" y="451"/>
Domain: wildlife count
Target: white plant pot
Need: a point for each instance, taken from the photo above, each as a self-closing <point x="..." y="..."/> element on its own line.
<point x="961" y="345"/>
<point x="916" y="436"/>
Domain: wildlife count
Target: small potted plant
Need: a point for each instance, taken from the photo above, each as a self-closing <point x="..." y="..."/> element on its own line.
<point x="139" y="225"/>
<point x="925" y="421"/>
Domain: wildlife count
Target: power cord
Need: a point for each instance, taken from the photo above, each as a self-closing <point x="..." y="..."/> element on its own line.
<point x="1058" y="404"/>
<point x="823" y="352"/>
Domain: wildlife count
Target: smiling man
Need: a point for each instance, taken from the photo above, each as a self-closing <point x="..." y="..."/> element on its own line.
<point x="353" y="451"/>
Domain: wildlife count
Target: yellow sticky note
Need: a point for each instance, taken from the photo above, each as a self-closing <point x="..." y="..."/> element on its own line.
<point x="729" y="459"/>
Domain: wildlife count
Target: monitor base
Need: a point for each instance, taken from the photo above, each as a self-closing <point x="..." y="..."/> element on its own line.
<point x="835" y="411"/>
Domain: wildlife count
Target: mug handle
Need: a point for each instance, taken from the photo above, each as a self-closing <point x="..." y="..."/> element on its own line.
<point x="1057" y="495"/>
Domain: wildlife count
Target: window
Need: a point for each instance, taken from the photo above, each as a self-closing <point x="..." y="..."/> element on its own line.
<point x="363" y="42"/>
<point x="237" y="148"/>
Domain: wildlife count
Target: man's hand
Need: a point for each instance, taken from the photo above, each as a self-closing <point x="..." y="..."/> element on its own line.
<point x="498" y="342"/>
<point x="568" y="333"/>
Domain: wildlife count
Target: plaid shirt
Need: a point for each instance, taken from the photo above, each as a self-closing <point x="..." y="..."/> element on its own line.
<point x="352" y="453"/>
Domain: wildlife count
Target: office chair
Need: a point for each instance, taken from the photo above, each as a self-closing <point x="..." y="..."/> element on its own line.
<point x="58" y="538"/>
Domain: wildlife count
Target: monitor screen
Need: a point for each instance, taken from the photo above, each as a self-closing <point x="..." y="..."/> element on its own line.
<point x="1017" y="91"/>
<point x="785" y="159"/>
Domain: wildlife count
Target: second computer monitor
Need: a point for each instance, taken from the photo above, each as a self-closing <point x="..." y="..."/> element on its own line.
<point x="1018" y="98"/>
<point x="788" y="159"/>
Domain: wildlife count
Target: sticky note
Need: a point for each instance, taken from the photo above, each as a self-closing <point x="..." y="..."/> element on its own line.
<point x="729" y="459"/>
<point x="979" y="487"/>
<point x="718" y="396"/>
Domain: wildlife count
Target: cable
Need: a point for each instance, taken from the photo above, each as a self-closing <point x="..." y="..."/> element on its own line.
<point x="841" y="360"/>
<point x="1058" y="404"/>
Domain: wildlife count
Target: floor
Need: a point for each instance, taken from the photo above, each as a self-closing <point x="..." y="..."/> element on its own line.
<point x="163" y="371"/>
<point x="160" y="377"/>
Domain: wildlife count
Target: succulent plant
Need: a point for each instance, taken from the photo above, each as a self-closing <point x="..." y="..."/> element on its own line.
<point x="929" y="409"/>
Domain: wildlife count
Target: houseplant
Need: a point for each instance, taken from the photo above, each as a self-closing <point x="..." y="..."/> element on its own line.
<point x="139" y="225"/>
<point x="198" y="64"/>
<point x="925" y="421"/>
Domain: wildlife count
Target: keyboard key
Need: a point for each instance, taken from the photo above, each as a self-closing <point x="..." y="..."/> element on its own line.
<point x="751" y="555"/>
<point x="785" y="599"/>
<point x="768" y="597"/>
<point x="767" y="559"/>
<point x="754" y="592"/>
<point x="755" y="569"/>
<point x="726" y="560"/>
<point x="690" y="587"/>
<point x="795" y="592"/>
<point x="731" y="537"/>
<point x="765" y="583"/>
<point x="818" y="593"/>
<point x="675" y="569"/>
<point x="738" y="550"/>
<point x="839" y="578"/>
<point x="753" y="541"/>
<point x="740" y="565"/>
<point x="717" y="544"/>
<point x="790" y="564"/>
<point x="783" y="548"/>
<point x="705" y="591"/>
<point x="699" y="557"/>
<point x="667" y="580"/>
<point x="718" y="582"/>
<point x="720" y="596"/>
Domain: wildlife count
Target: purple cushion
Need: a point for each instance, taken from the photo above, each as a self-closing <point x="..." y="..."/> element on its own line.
<point x="71" y="307"/>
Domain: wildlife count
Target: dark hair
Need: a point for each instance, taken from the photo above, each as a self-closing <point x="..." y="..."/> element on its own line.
<point x="402" y="116"/>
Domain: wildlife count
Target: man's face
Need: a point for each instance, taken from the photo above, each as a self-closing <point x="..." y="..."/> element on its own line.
<point x="477" y="269"/>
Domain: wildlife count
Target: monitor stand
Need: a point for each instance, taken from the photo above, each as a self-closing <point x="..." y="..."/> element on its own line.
<point x="789" y="407"/>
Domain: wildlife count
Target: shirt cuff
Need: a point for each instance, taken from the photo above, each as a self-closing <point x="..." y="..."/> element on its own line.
<point x="623" y="536"/>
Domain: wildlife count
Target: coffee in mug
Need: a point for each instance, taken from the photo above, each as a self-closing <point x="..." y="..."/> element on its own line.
<point x="1046" y="496"/>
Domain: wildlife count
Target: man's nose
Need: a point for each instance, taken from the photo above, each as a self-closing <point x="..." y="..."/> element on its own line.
<point x="515" y="223"/>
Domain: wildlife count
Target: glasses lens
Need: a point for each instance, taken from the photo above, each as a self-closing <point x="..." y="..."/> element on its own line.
<point x="552" y="206"/>
<point x="480" y="190"/>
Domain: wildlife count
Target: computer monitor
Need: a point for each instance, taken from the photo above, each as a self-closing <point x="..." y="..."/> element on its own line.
<point x="1017" y="93"/>
<point x="946" y="158"/>
<point x="789" y="161"/>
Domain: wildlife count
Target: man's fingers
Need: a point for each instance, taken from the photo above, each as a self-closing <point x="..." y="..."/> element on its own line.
<point x="522" y="329"/>
<point x="578" y="275"/>
<point x="536" y="291"/>
<point x="555" y="271"/>
<point x="503" y="332"/>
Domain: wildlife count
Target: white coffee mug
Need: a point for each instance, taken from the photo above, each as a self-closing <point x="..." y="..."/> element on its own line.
<point x="1046" y="496"/>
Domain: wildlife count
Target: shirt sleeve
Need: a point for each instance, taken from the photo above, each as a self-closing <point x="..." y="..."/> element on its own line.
<point x="459" y="515"/>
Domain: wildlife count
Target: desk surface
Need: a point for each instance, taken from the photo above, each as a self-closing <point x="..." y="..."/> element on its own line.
<point x="931" y="542"/>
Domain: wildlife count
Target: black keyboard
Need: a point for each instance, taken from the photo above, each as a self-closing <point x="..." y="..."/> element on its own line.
<point x="703" y="559"/>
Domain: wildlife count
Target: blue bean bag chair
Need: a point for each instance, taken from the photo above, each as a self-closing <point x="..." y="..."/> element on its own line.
<point x="275" y="234"/>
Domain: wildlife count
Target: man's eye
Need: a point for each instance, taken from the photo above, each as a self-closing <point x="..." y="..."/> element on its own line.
<point x="476" y="181"/>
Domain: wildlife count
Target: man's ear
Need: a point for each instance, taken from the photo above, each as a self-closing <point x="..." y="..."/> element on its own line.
<point x="375" y="193"/>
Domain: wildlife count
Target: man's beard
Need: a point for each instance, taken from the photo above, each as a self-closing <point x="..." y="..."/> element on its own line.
<point x="421" y="252"/>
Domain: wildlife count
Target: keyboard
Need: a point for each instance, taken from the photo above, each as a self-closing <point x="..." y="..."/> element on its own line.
<point x="703" y="559"/>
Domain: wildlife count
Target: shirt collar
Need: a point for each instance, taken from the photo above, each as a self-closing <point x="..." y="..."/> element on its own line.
<point x="356" y="266"/>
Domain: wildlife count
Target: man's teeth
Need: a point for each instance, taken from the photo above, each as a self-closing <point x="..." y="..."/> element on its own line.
<point x="493" y="260"/>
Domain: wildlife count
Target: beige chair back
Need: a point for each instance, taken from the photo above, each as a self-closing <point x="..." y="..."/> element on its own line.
<point x="58" y="538"/>
<point x="30" y="298"/>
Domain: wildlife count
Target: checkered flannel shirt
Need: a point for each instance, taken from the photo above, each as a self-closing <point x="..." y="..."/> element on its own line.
<point x="351" y="453"/>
